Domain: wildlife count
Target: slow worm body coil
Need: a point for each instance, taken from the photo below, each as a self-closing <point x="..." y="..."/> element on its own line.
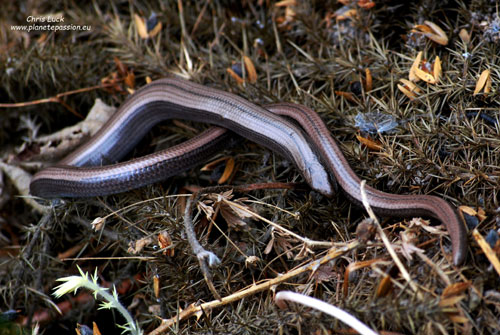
<point x="177" y="98"/>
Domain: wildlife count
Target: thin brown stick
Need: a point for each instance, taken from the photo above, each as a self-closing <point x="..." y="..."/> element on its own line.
<point x="56" y="98"/>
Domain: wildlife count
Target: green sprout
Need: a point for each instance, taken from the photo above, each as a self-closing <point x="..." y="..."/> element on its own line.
<point x="73" y="283"/>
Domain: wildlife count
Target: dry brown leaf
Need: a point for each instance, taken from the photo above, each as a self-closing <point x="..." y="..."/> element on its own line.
<point x="439" y="35"/>
<point x="156" y="285"/>
<point x="385" y="286"/>
<point x="464" y="36"/>
<point x="228" y="171"/>
<point x="488" y="252"/>
<point x="408" y="88"/>
<point x="416" y="64"/>
<point x="427" y="77"/>
<point x="455" y="289"/>
<point x="425" y="224"/>
<point x="432" y="31"/>
<point x="140" y="25"/>
<point x="468" y="210"/>
<point x="346" y="95"/>
<point x="458" y="318"/>
<point x="283" y="245"/>
<point x="369" y="143"/>
<point x="450" y="301"/>
<point x="95" y="329"/>
<point x="250" y="70"/>
<point x="165" y="241"/>
<point x="409" y="239"/>
<point x="481" y="214"/>
<point x="286" y="3"/>
<point x="251" y="261"/>
<point x="130" y="79"/>
<point x="366" y="4"/>
<point x="242" y="210"/>
<point x="324" y="273"/>
<point x="422" y="28"/>
<point x="205" y="208"/>
<point x="232" y="218"/>
<point x="235" y="76"/>
<point x="351" y="13"/>
<point x="487" y="87"/>
<point x="122" y="68"/>
<point x="356" y="266"/>
<point x="481" y="82"/>
<point x="406" y="92"/>
<point x="98" y="223"/>
<point x="269" y="245"/>
<point x="436" y="69"/>
<point x="155" y="30"/>
<point x="136" y="246"/>
<point x="213" y="164"/>
<point x="369" y="80"/>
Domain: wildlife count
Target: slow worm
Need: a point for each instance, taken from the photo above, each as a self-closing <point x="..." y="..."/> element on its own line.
<point x="165" y="99"/>
<point x="176" y="98"/>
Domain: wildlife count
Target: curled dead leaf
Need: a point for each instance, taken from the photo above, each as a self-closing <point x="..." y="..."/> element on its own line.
<point x="98" y="223"/>
<point x="135" y="247"/>
<point x="165" y="241"/>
